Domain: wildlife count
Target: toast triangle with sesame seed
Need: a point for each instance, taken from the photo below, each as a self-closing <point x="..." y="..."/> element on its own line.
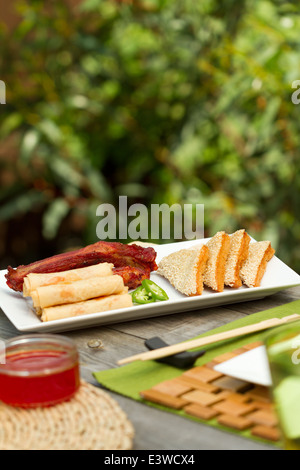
<point x="255" y="265"/>
<point x="214" y="274"/>
<point x="184" y="269"/>
<point x="238" y="253"/>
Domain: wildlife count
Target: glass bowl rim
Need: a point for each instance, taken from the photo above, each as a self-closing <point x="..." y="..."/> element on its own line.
<point x="60" y="342"/>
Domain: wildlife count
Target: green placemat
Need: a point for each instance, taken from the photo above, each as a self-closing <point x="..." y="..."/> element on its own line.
<point x="129" y="380"/>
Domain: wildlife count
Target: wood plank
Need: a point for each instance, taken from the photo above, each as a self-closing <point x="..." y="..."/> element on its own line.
<point x="232" y="408"/>
<point x="236" y="422"/>
<point x="201" y="398"/>
<point x="265" y="432"/>
<point x="163" y="399"/>
<point x="173" y="387"/>
<point x="199" y="411"/>
<point x="264" y="417"/>
<point x="198" y="384"/>
<point x="180" y="326"/>
<point x="204" y="374"/>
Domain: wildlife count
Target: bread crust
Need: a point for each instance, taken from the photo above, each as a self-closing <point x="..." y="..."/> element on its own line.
<point x="201" y="266"/>
<point x="238" y="253"/>
<point x="252" y="271"/>
<point x="214" y="275"/>
<point x="184" y="269"/>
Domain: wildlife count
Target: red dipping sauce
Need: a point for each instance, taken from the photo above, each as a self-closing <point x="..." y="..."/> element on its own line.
<point x="39" y="371"/>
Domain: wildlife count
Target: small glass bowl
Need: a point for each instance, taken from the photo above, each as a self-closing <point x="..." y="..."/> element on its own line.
<point x="39" y="370"/>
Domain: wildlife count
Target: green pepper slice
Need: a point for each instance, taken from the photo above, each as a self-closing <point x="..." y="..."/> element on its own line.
<point x="142" y="296"/>
<point x="152" y="288"/>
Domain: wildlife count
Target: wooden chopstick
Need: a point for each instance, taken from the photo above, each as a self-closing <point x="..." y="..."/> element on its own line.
<point x="198" y="343"/>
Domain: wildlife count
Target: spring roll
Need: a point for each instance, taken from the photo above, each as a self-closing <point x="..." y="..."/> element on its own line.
<point x="48" y="296"/>
<point x="101" y="304"/>
<point x="34" y="280"/>
<point x="38" y="311"/>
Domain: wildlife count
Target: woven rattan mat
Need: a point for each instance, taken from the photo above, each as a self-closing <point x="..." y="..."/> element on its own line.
<point x="92" y="420"/>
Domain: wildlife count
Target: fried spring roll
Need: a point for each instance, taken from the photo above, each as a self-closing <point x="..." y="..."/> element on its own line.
<point x="98" y="305"/>
<point x="33" y="280"/>
<point x="59" y="294"/>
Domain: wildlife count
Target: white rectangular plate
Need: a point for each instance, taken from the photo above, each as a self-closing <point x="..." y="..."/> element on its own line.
<point x="278" y="277"/>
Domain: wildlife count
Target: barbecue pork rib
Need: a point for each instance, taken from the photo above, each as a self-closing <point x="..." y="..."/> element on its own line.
<point x="132" y="275"/>
<point x="134" y="263"/>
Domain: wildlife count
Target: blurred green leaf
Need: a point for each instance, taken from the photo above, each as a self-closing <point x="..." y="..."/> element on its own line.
<point x="53" y="216"/>
<point x="28" y="145"/>
<point x="21" y="204"/>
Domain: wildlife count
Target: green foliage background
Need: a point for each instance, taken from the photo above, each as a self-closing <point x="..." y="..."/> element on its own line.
<point x="160" y="100"/>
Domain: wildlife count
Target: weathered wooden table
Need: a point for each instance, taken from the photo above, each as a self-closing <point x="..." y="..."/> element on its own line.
<point x="155" y="429"/>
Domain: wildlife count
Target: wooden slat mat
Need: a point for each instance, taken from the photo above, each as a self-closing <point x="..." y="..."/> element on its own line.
<point x="207" y="394"/>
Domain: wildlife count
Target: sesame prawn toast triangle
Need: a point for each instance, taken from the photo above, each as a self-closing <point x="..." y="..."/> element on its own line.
<point x="184" y="269"/>
<point x="238" y="253"/>
<point x="214" y="274"/>
<point x="255" y="265"/>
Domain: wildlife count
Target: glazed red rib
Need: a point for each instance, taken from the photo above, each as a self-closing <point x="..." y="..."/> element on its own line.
<point x="120" y="255"/>
<point x="132" y="275"/>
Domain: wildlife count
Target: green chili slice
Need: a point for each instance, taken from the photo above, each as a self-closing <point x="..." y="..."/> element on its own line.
<point x="142" y="296"/>
<point x="152" y="288"/>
